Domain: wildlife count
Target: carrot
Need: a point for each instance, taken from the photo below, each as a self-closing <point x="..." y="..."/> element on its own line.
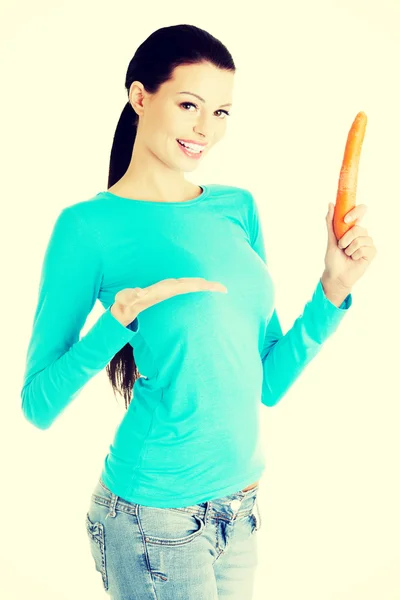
<point x="346" y="193"/>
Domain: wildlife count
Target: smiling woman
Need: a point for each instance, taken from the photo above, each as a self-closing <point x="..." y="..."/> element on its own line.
<point x="188" y="447"/>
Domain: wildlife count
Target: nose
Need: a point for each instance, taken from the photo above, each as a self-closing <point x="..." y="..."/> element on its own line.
<point x="204" y="128"/>
<point x="198" y="133"/>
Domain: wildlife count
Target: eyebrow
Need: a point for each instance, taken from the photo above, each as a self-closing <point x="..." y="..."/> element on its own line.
<point x="200" y="98"/>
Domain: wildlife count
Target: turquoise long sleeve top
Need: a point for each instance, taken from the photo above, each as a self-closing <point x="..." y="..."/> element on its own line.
<point x="208" y="361"/>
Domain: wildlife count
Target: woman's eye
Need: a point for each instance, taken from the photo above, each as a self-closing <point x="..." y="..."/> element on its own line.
<point x="195" y="105"/>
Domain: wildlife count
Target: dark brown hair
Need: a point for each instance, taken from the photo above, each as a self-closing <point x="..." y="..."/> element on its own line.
<point x="153" y="64"/>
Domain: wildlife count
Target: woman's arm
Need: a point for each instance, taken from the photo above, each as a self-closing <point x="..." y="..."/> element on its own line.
<point x="58" y="362"/>
<point x="285" y="356"/>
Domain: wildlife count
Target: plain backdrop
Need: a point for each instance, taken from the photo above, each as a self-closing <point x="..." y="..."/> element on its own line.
<point x="329" y="497"/>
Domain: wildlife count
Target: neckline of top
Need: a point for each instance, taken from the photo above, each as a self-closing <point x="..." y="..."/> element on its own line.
<point x="202" y="196"/>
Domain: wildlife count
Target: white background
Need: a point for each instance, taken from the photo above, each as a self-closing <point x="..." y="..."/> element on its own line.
<point x="329" y="497"/>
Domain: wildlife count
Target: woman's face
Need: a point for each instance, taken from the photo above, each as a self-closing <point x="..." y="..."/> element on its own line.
<point x="170" y="114"/>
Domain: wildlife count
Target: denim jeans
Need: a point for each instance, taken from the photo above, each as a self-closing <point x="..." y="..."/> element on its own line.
<point x="201" y="552"/>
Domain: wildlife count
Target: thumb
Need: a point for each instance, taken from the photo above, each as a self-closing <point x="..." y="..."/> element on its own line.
<point x="329" y="224"/>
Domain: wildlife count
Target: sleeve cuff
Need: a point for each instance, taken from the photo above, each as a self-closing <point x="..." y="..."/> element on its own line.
<point x="347" y="302"/>
<point x="110" y="334"/>
<point x="323" y="316"/>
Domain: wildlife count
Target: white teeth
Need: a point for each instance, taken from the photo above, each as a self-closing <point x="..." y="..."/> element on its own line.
<point x="192" y="147"/>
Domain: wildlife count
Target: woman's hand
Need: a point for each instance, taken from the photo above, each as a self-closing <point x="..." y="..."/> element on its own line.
<point x="348" y="258"/>
<point x="131" y="301"/>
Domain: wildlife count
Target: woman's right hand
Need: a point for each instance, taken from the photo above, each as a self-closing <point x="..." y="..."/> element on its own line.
<point x="130" y="302"/>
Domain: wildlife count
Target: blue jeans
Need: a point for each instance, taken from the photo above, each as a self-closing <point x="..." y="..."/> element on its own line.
<point x="201" y="552"/>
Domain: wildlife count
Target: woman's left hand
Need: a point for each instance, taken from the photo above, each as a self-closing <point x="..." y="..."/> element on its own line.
<point x="347" y="259"/>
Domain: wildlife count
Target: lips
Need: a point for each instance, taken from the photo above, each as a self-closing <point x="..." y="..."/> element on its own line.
<point x="189" y="149"/>
<point x="189" y="153"/>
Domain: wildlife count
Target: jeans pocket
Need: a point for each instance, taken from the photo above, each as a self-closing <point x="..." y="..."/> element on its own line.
<point x="95" y="531"/>
<point x="169" y="526"/>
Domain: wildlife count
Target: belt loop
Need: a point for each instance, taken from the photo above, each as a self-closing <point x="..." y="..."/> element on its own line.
<point x="206" y="513"/>
<point x="113" y="502"/>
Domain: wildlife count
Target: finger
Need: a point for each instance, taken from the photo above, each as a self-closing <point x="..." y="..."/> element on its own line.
<point x="359" y="242"/>
<point x="365" y="252"/>
<point x="351" y="235"/>
<point x="357" y="212"/>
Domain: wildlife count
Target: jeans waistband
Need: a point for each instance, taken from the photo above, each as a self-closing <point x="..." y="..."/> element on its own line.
<point x="228" y="507"/>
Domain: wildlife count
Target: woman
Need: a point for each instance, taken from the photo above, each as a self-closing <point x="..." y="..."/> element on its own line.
<point x="174" y="513"/>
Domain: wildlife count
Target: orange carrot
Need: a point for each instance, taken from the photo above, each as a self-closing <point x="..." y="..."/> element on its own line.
<point x="346" y="193"/>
